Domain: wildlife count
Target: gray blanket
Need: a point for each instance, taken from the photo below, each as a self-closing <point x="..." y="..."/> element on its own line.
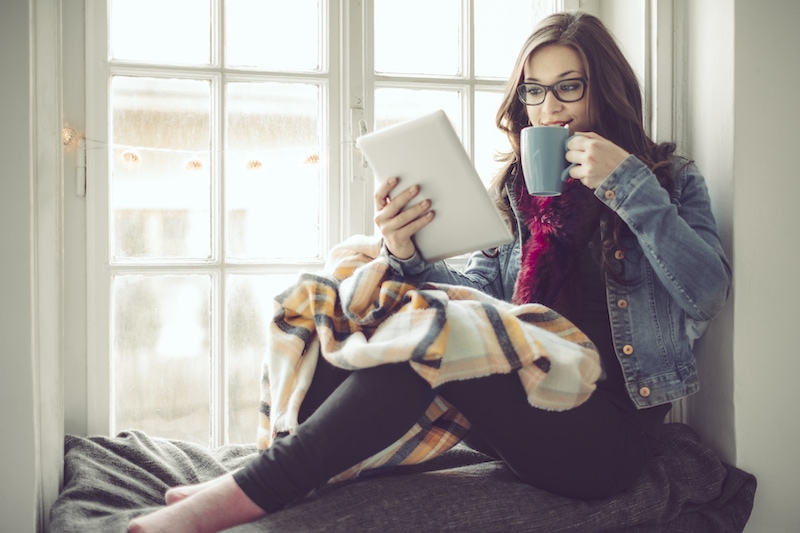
<point x="686" y="488"/>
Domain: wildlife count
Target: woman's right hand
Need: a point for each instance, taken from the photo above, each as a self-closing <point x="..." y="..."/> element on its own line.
<point x="398" y="226"/>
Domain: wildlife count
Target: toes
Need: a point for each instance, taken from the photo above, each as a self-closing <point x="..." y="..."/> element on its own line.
<point x="175" y="495"/>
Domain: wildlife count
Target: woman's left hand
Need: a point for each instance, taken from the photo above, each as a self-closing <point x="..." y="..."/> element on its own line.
<point x="595" y="158"/>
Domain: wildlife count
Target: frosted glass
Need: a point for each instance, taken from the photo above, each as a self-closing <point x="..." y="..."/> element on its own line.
<point x="418" y="37"/>
<point x="501" y="27"/>
<point x="161" y="31"/>
<point x="489" y="141"/>
<point x="160" y="169"/>
<point x="249" y="308"/>
<point x="274" y="165"/>
<point x="393" y="105"/>
<point x="161" y="355"/>
<point x="272" y="35"/>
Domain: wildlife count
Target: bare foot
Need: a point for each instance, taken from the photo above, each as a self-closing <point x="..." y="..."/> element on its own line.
<point x="219" y="505"/>
<point x="176" y="494"/>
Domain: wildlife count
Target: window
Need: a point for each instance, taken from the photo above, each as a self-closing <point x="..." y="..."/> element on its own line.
<point x="221" y="163"/>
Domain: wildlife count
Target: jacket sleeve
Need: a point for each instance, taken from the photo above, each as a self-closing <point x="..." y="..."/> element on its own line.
<point x="678" y="235"/>
<point x="482" y="272"/>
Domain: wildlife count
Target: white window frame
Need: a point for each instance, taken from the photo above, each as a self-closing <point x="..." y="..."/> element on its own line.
<point x="98" y="72"/>
<point x="354" y="190"/>
<point x="98" y="368"/>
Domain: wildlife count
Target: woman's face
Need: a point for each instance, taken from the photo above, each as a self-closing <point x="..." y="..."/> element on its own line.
<point x="546" y="66"/>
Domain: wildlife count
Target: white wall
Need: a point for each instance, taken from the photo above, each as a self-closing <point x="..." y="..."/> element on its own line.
<point x="626" y="20"/>
<point x="18" y="450"/>
<point x="766" y="221"/>
<point x="705" y="62"/>
<point x="742" y="130"/>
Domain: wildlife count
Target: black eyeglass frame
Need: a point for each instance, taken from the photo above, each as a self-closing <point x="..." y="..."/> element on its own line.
<point x="551" y="88"/>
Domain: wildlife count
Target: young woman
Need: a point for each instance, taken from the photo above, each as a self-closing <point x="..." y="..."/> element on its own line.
<point x="629" y="253"/>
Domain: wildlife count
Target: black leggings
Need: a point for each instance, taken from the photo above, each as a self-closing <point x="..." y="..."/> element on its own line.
<point x="588" y="452"/>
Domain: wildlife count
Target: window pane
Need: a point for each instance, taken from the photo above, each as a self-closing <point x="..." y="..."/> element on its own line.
<point x="273" y="35"/>
<point x="161" y="329"/>
<point x="249" y="309"/>
<point x="160" y="175"/>
<point x="273" y="171"/>
<point x="161" y="31"/>
<point x="489" y="140"/>
<point x="501" y="27"/>
<point x="418" y="37"/>
<point x="393" y="105"/>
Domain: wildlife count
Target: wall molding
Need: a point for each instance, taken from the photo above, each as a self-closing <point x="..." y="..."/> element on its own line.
<point x="47" y="184"/>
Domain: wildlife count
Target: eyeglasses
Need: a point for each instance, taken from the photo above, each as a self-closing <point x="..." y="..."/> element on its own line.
<point x="570" y="90"/>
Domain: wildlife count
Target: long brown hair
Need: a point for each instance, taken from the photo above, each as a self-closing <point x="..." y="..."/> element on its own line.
<point x="615" y="101"/>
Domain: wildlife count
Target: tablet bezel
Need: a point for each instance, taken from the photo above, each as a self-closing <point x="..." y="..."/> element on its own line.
<point x="427" y="151"/>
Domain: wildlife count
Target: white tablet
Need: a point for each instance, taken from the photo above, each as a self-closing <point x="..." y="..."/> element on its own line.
<point x="428" y="152"/>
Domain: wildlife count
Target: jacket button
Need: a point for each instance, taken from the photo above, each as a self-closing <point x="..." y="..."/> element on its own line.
<point x="610" y="194"/>
<point x="619" y="254"/>
<point x="622" y="304"/>
<point x="627" y="349"/>
<point x="644" y="392"/>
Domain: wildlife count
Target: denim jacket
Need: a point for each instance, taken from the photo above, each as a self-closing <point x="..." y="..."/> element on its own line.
<point x="676" y="277"/>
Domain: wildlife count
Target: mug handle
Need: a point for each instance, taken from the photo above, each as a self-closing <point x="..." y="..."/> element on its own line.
<point x="565" y="172"/>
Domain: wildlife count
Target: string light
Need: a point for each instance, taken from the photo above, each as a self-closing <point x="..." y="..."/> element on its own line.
<point x="68" y="136"/>
<point x="194" y="164"/>
<point x="131" y="156"/>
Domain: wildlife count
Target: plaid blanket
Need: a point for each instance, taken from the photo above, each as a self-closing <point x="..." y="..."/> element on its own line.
<point x="358" y="313"/>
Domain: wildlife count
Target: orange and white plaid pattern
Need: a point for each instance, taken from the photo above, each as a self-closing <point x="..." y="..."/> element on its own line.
<point x="358" y="313"/>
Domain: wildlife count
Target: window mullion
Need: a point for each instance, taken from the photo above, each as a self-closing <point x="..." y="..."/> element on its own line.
<point x="356" y="104"/>
<point x="468" y="104"/>
<point x="660" y="61"/>
<point x="219" y="356"/>
<point x="333" y="123"/>
<point x="98" y="363"/>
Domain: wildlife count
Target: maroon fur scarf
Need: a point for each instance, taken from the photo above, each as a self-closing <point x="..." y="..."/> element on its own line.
<point x="561" y="228"/>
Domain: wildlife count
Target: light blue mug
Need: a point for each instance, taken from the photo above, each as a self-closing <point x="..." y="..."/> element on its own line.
<point x="544" y="163"/>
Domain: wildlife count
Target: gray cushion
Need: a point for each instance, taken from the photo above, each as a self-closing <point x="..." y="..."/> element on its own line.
<point x="686" y="488"/>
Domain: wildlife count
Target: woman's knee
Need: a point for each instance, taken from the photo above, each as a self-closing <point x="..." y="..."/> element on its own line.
<point x="587" y="474"/>
<point x="575" y="485"/>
